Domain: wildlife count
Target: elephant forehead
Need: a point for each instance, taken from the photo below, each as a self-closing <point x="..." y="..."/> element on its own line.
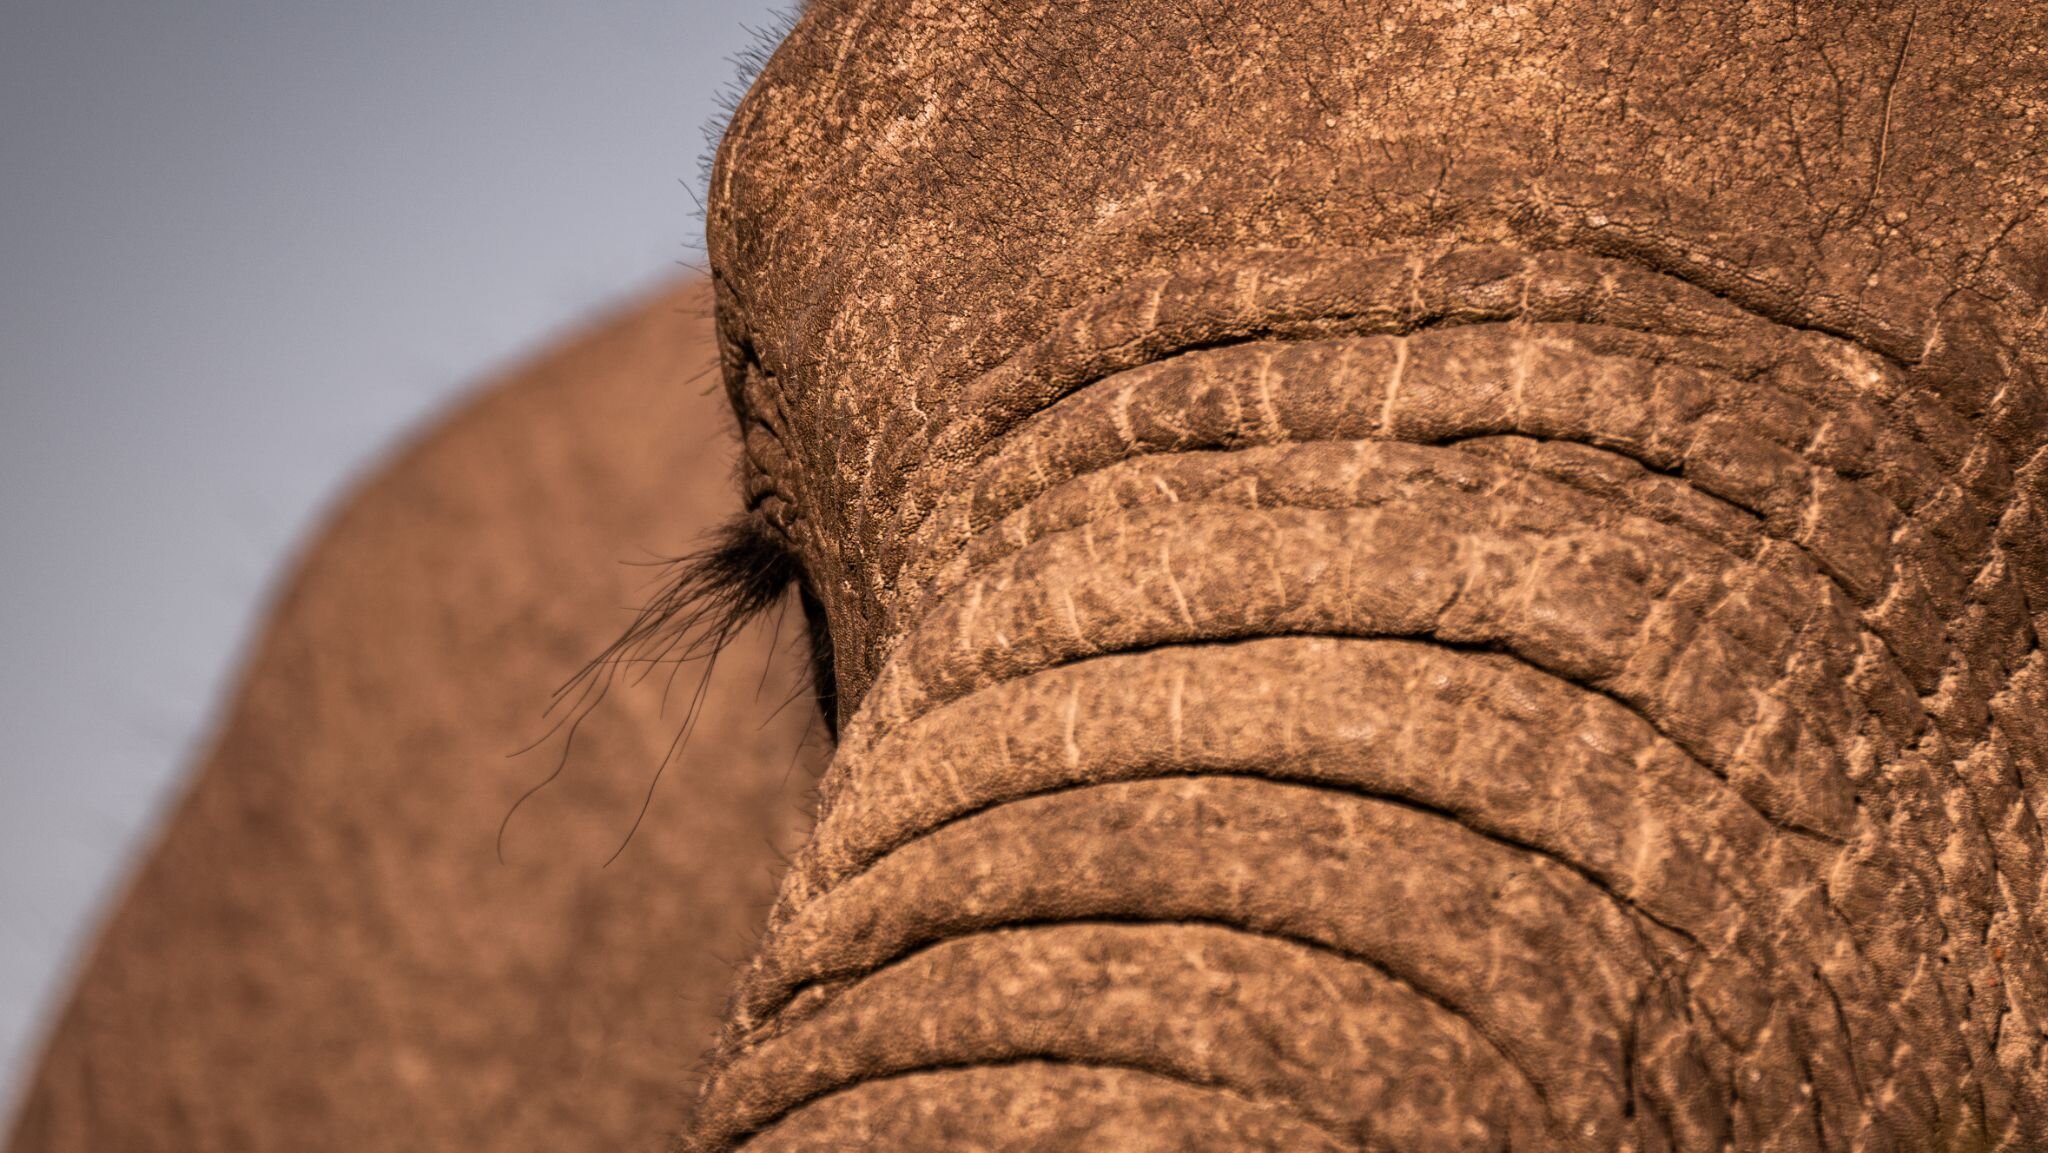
<point x="913" y="189"/>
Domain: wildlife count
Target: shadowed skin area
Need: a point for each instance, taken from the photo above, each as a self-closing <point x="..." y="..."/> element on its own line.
<point x="323" y="951"/>
<point x="1424" y="576"/>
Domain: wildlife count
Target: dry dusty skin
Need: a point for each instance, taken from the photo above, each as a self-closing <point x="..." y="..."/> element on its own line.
<point x="1400" y="578"/>
<point x="1416" y="576"/>
<point x="324" y="953"/>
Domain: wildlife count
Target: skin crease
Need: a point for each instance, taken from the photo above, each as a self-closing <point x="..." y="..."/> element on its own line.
<point x="1411" y="576"/>
<point x="1403" y="577"/>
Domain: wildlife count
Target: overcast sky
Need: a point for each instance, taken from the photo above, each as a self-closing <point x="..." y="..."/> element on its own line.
<point x="243" y="246"/>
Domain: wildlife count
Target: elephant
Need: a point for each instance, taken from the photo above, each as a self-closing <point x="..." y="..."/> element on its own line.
<point x="1428" y="576"/>
<point x="1422" y="576"/>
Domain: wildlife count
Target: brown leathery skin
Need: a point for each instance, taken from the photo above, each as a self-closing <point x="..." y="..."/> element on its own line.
<point x="1045" y="1106"/>
<point x="322" y="951"/>
<point x="1467" y="575"/>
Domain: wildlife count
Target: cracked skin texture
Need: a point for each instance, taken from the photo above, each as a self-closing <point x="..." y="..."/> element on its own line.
<point x="322" y="951"/>
<point x="1402" y="577"/>
<point x="1420" y="576"/>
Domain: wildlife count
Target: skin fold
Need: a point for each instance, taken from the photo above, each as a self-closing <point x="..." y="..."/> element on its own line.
<point x="1426" y="576"/>
<point x="1403" y="578"/>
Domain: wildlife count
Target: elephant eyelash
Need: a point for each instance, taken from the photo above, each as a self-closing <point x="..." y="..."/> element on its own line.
<point x="742" y="570"/>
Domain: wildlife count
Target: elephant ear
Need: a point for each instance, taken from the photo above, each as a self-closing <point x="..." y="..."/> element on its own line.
<point x="739" y="571"/>
<point x="319" y="953"/>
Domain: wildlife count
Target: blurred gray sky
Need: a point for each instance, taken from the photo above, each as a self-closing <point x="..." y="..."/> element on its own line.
<point x="242" y="247"/>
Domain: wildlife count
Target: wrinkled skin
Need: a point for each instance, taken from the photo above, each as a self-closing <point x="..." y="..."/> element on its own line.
<point x="1429" y="576"/>
<point x="1419" y="577"/>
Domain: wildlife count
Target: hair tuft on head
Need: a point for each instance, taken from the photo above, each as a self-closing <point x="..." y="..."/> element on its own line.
<point x="747" y="64"/>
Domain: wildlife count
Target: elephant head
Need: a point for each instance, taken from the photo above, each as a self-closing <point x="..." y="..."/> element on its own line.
<point x="1425" y="576"/>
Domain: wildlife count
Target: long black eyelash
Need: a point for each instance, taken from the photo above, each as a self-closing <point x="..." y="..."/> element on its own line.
<point x="742" y="570"/>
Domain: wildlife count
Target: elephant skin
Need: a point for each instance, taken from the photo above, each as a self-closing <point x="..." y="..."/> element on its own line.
<point x="1423" y="577"/>
<point x="1427" y="576"/>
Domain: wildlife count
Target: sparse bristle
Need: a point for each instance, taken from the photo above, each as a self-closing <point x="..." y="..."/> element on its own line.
<point x="747" y="65"/>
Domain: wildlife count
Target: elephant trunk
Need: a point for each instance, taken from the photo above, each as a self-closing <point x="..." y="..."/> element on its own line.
<point x="1413" y="703"/>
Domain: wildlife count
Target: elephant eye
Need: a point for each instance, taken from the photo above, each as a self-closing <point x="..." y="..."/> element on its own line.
<point x="824" y="677"/>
